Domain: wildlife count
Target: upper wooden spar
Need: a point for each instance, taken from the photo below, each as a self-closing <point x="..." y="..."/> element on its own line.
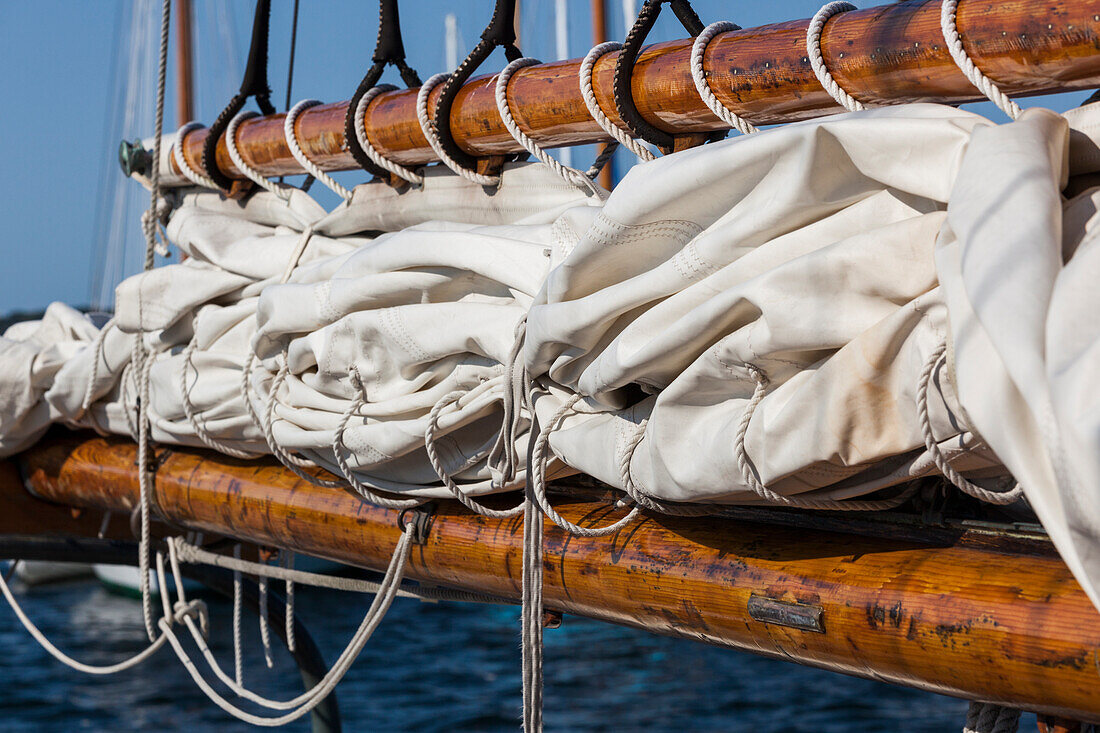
<point x="995" y="617"/>
<point x="883" y="55"/>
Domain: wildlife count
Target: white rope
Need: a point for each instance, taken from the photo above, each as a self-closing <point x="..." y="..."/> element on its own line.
<point x="265" y="629"/>
<point x="296" y="149"/>
<point x="189" y="409"/>
<point x="568" y="174"/>
<point x="238" y="603"/>
<point x="364" y="140"/>
<point x="949" y="26"/>
<point x="699" y="76"/>
<point x="504" y="457"/>
<point x="305" y="702"/>
<point x="338" y="447"/>
<point x="287" y="559"/>
<point x="441" y="470"/>
<point x="531" y="616"/>
<point x="192" y="554"/>
<point x="296" y="255"/>
<point x="294" y="463"/>
<point x="593" y="105"/>
<point x="146" y="480"/>
<point x="536" y="480"/>
<point x="427" y="126"/>
<point x="199" y="179"/>
<point x="817" y="61"/>
<point x="748" y="473"/>
<point x="65" y="658"/>
<point x="644" y="500"/>
<point x="967" y="487"/>
<point x="281" y="190"/>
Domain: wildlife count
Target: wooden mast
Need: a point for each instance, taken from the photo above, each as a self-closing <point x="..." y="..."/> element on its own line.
<point x="599" y="35"/>
<point x="185" y="97"/>
<point x="956" y="610"/>
<point x="887" y="54"/>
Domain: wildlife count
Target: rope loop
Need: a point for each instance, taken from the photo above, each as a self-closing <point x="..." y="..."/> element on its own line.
<point x="699" y="76"/>
<point x="569" y="175"/>
<point x="967" y="487"/>
<point x="279" y="189"/>
<point x="291" y="135"/>
<point x="500" y="32"/>
<point x="254" y="84"/>
<point x="427" y="126"/>
<point x="624" y="69"/>
<point x="188" y="172"/>
<point x="339" y="447"/>
<point x="536" y="482"/>
<point x="621" y="136"/>
<point x="389" y="50"/>
<point x="430" y="439"/>
<point x="817" y="61"/>
<point x="748" y="472"/>
<point x="359" y="128"/>
<point x="949" y="27"/>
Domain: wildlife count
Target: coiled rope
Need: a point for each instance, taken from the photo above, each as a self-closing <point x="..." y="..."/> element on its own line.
<point x="817" y="61"/>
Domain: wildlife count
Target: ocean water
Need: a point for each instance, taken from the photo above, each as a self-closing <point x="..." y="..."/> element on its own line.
<point x="436" y="667"/>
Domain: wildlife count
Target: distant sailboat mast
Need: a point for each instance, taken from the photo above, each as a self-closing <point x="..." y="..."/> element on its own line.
<point x="561" y="37"/>
<point x="450" y="41"/>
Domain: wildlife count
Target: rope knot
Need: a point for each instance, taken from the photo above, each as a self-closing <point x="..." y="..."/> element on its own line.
<point x="195" y="610"/>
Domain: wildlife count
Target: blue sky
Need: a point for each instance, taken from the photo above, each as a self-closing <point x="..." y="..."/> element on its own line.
<point x="64" y="117"/>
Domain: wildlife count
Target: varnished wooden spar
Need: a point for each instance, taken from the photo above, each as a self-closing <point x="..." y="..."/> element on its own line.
<point x="888" y="54"/>
<point x="998" y="619"/>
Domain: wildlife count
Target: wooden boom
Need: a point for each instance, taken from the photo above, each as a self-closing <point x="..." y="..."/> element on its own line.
<point x="965" y="612"/>
<point x="888" y="54"/>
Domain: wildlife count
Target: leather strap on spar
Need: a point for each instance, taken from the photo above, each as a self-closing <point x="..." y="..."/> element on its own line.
<point x="389" y="50"/>
<point x="501" y="31"/>
<point x="624" y="68"/>
<point x="253" y="85"/>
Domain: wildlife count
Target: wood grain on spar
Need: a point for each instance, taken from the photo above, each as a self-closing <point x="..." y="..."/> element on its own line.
<point x="888" y="54"/>
<point x="1006" y="624"/>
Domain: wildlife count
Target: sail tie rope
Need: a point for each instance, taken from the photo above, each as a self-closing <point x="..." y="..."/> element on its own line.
<point x="644" y="500"/>
<point x="199" y="179"/>
<point x="254" y="85"/>
<point x="621" y="136"/>
<point x="428" y="127"/>
<point x="388" y="50"/>
<point x="500" y="32"/>
<point x="291" y="135"/>
<point x="967" y="487"/>
<point x="339" y="447"/>
<point x="817" y="61"/>
<point x="568" y="174"/>
<point x="281" y="190"/>
<point x="292" y="462"/>
<point x="189" y="408"/>
<point x="702" y="85"/>
<point x="430" y="437"/>
<point x="628" y="56"/>
<point x="363" y="139"/>
<point x="748" y="472"/>
<point x="949" y="27"/>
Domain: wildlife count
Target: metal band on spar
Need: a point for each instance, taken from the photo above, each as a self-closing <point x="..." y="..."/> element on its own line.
<point x="890" y="54"/>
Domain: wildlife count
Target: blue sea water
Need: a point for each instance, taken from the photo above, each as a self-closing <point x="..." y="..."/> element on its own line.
<point x="437" y="667"/>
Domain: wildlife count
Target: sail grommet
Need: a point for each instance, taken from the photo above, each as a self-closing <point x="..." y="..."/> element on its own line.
<point x="624" y="72"/>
